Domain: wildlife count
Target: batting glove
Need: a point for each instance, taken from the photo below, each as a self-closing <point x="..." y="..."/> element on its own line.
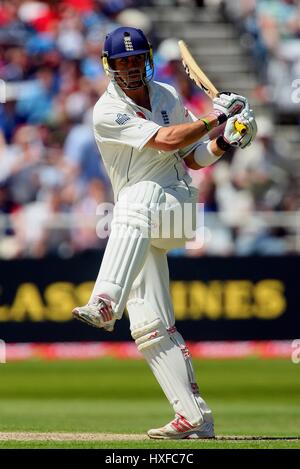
<point x="229" y="104"/>
<point x="233" y="137"/>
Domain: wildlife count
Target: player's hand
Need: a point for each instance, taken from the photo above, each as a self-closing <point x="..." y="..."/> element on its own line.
<point x="230" y="104"/>
<point x="233" y="137"/>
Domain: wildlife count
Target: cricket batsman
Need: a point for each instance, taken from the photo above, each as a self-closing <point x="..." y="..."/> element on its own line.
<point x="146" y="139"/>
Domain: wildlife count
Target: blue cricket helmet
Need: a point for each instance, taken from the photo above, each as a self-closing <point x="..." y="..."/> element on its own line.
<point x="124" y="42"/>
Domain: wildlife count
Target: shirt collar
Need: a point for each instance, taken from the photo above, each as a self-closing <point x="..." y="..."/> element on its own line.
<point x="116" y="91"/>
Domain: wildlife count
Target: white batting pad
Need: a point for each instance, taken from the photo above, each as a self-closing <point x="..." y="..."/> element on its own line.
<point x="165" y="359"/>
<point x="129" y="242"/>
<point x="178" y="340"/>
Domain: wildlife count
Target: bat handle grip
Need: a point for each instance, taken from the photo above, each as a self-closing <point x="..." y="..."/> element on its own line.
<point x="241" y="128"/>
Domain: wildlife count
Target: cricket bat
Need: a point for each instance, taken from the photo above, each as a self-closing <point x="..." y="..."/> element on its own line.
<point x="202" y="81"/>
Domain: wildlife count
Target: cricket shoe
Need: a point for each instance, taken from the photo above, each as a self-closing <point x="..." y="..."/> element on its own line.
<point x="180" y="429"/>
<point x="97" y="314"/>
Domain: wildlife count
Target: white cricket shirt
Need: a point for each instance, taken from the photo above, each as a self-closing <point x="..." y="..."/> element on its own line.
<point x="122" y="129"/>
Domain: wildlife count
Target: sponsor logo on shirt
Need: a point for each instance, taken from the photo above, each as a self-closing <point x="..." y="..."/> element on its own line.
<point x="122" y="118"/>
<point x="165" y="117"/>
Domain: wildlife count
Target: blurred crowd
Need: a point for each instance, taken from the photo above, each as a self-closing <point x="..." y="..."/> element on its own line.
<point x="271" y="32"/>
<point x="50" y="168"/>
<point x="51" y="174"/>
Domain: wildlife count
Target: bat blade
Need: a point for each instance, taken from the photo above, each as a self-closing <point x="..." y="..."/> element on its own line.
<point x="195" y="73"/>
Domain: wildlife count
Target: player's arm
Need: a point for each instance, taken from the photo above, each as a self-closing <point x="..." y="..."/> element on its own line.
<point x="175" y="137"/>
<point x="201" y="157"/>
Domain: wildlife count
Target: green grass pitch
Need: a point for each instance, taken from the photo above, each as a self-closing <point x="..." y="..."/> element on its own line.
<point x="251" y="397"/>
